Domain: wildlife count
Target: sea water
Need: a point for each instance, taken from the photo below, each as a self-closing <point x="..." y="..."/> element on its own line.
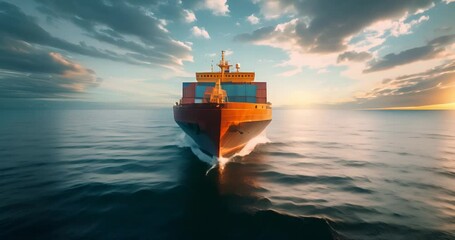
<point x="314" y="174"/>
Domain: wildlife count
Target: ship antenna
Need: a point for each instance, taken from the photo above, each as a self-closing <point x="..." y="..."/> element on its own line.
<point x="212" y="65"/>
<point x="224" y="65"/>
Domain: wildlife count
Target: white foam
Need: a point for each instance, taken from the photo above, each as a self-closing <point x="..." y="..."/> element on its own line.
<point x="186" y="141"/>
<point x="251" y="145"/>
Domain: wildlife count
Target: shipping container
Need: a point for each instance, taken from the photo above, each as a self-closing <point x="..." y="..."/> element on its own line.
<point x="189" y="90"/>
<point x="250" y="90"/>
<point x="227" y="88"/>
<point x="260" y="85"/>
<point x="261" y="100"/>
<point x="237" y="99"/>
<point x="187" y="100"/>
<point x="200" y="90"/>
<point x="234" y="89"/>
<point x="251" y="99"/>
<point x="262" y="93"/>
<point x="236" y="92"/>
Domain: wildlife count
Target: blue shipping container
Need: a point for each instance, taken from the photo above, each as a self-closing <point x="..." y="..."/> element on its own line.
<point x="235" y="92"/>
<point x="250" y="90"/>
<point x="234" y="89"/>
<point x="237" y="99"/>
<point x="200" y="90"/>
<point x="228" y="88"/>
<point x="251" y="99"/>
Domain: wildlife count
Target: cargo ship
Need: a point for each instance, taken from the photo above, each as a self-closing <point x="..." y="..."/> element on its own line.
<point x="223" y="110"/>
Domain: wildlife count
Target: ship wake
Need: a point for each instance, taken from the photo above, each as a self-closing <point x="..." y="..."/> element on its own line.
<point x="185" y="141"/>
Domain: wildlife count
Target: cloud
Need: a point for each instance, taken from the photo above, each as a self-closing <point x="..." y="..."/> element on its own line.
<point x="136" y="27"/>
<point x="321" y="29"/>
<point x="434" y="86"/>
<point x="200" y="32"/>
<point x="272" y="9"/>
<point x="252" y="19"/>
<point x="354" y="56"/>
<point x="32" y="86"/>
<point x="171" y="10"/>
<point x="377" y="33"/>
<point x="189" y="16"/>
<point x="263" y="34"/>
<point x="218" y="7"/>
<point x="281" y="36"/>
<point x="28" y="69"/>
<point x="29" y="72"/>
<point x="435" y="48"/>
<point x="26" y="29"/>
<point x="401" y="27"/>
<point x="326" y="27"/>
<point x="19" y="56"/>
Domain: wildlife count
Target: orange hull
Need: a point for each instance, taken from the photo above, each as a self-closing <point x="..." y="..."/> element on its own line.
<point x="221" y="130"/>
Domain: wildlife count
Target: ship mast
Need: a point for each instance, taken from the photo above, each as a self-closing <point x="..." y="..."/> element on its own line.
<point x="218" y="94"/>
<point x="224" y="65"/>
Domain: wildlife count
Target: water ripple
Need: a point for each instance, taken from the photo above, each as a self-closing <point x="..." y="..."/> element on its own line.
<point x="124" y="174"/>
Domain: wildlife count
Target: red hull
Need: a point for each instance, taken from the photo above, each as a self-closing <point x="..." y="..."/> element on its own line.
<point x="222" y="130"/>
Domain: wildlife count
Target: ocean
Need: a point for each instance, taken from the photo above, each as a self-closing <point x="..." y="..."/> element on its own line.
<point x="314" y="174"/>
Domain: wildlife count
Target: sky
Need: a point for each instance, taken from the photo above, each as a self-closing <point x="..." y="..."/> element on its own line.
<point x="354" y="54"/>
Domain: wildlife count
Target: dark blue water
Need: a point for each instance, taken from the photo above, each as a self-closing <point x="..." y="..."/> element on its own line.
<point x="127" y="174"/>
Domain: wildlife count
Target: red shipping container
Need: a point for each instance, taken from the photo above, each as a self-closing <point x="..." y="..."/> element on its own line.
<point x="192" y="90"/>
<point x="261" y="93"/>
<point x="184" y="91"/>
<point x="261" y="100"/>
<point x="261" y="85"/>
<point x="189" y="91"/>
<point x="187" y="100"/>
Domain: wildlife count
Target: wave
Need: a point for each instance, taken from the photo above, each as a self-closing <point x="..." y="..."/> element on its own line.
<point x="264" y="224"/>
<point x="184" y="140"/>
<point x="288" y="179"/>
<point x="382" y="230"/>
<point x="251" y="145"/>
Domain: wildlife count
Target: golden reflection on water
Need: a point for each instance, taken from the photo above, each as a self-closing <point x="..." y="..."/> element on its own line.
<point x="359" y="159"/>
